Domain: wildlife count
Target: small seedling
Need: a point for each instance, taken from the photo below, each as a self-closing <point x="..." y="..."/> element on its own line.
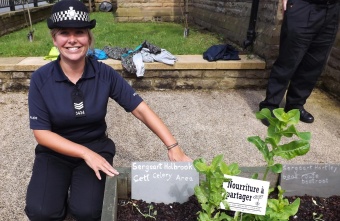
<point x="149" y="215"/>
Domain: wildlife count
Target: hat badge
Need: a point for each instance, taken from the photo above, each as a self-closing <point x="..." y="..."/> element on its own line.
<point x="71" y="13"/>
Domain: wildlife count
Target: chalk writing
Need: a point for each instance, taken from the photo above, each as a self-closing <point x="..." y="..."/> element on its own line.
<point x="312" y="179"/>
<point x="165" y="182"/>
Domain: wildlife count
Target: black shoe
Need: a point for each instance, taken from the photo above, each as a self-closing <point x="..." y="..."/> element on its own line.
<point x="305" y="116"/>
<point x="265" y="122"/>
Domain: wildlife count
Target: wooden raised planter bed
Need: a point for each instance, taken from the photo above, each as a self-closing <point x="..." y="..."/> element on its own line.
<point x="119" y="187"/>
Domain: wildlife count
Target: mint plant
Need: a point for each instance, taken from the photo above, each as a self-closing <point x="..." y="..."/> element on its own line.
<point x="210" y="193"/>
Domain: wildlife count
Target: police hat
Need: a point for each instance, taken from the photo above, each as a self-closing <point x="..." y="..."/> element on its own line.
<point x="70" y="14"/>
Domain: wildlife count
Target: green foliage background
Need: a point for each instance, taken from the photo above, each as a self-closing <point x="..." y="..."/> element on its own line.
<point x="169" y="36"/>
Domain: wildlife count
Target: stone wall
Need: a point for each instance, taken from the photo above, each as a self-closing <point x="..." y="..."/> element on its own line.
<point x="331" y="75"/>
<point x="231" y="19"/>
<point x="16" y="20"/>
<point x="148" y="10"/>
<point x="15" y="81"/>
<point x="189" y="72"/>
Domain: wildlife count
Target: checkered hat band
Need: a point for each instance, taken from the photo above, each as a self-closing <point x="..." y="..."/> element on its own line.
<point x="70" y="15"/>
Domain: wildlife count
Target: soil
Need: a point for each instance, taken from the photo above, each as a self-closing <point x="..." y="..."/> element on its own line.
<point x="326" y="209"/>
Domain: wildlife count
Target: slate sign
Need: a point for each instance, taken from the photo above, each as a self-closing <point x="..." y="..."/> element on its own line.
<point x="312" y="179"/>
<point x="163" y="182"/>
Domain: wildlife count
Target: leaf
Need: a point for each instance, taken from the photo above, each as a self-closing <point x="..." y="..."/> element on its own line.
<point x="291" y="117"/>
<point x="292" y="149"/>
<point x="261" y="146"/>
<point x="276" y="168"/>
<point x="232" y="169"/>
<point x="279" y="113"/>
<point x="201" y="166"/>
<point x="203" y="217"/>
<point x="224" y="216"/>
<point x="199" y="193"/>
<point x="294" y="116"/>
<point x="255" y="176"/>
<point x="216" y="162"/>
<point x="265" y="113"/>
<point x="272" y="142"/>
<point x="304" y="135"/>
<point x="290" y="131"/>
<point x="291" y="209"/>
<point x="274" y="133"/>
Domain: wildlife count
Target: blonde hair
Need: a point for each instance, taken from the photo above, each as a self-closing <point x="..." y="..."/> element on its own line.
<point x="54" y="31"/>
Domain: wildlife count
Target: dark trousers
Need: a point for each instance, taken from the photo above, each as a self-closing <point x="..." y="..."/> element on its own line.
<point x="307" y="35"/>
<point x="61" y="184"/>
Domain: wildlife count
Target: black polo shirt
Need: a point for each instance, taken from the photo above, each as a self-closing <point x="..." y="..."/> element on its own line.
<point x="77" y="111"/>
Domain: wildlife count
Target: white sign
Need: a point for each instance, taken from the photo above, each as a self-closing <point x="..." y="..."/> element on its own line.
<point x="246" y="195"/>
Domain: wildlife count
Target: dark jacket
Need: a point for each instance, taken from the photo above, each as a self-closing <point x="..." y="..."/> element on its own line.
<point x="221" y="52"/>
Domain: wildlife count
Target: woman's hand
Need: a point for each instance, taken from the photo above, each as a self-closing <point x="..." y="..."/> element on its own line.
<point x="97" y="163"/>
<point x="66" y="147"/>
<point x="177" y="154"/>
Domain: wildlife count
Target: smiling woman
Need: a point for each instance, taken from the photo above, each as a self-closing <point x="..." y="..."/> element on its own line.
<point x="67" y="101"/>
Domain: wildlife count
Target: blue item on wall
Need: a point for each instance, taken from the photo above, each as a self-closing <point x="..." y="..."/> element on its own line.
<point x="221" y="52"/>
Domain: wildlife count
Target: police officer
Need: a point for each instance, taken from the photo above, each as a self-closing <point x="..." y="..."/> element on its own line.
<point x="308" y="32"/>
<point x="67" y="106"/>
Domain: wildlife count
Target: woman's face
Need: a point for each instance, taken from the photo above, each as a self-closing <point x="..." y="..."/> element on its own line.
<point x="72" y="43"/>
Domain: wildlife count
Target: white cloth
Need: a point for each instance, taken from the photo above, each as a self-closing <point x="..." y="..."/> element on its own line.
<point x="138" y="61"/>
<point x="146" y="55"/>
<point x="164" y="57"/>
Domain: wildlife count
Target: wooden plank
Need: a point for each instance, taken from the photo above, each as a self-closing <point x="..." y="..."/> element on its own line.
<point x="109" y="211"/>
<point x="124" y="183"/>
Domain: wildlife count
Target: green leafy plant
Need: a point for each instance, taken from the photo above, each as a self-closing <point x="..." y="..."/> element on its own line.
<point x="281" y="125"/>
<point x="277" y="209"/>
<point x="210" y="193"/>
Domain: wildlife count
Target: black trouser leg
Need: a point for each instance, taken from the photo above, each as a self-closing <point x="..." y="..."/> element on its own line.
<point x="313" y="63"/>
<point x="87" y="192"/>
<point x="301" y="25"/>
<point x="47" y="191"/>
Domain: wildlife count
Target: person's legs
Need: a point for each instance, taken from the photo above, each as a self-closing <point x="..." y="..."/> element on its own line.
<point x="86" y="191"/>
<point x="294" y="43"/>
<point x="48" y="189"/>
<point x="324" y="20"/>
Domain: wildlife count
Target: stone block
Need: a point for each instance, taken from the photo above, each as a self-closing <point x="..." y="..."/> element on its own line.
<point x="19" y="75"/>
<point x="144" y="84"/>
<point x="160" y="83"/>
<point x="216" y="73"/>
<point x="191" y="73"/>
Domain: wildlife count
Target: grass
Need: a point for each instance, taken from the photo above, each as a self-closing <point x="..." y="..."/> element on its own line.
<point x="107" y="33"/>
